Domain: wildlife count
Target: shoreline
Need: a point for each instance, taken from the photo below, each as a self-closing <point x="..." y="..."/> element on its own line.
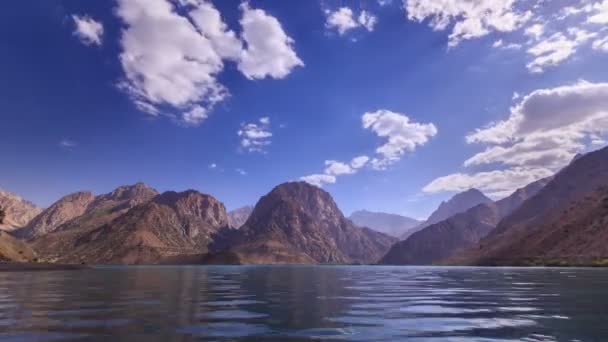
<point x="31" y="266"/>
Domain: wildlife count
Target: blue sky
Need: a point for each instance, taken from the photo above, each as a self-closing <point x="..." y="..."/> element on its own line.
<point x="97" y="94"/>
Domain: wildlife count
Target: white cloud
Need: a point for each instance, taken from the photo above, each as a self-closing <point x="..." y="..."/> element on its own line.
<point x="510" y="46"/>
<point x="213" y="166"/>
<point x="600" y="13"/>
<point x="601" y="44"/>
<point x="336" y="168"/>
<point x="67" y="144"/>
<point x="542" y="134"/>
<point x="167" y="61"/>
<point x="551" y="52"/>
<point x="557" y="48"/>
<point x="367" y="20"/>
<point x="535" y="31"/>
<point x="359" y="162"/>
<point x="88" y="30"/>
<point x="255" y="137"/>
<point x="470" y="19"/>
<point x="402" y="135"/>
<point x="579" y="107"/>
<point x="319" y="179"/>
<point x="343" y="20"/>
<point x="496" y="184"/>
<point x="269" y="51"/>
<point x="173" y="52"/>
<point x="241" y="172"/>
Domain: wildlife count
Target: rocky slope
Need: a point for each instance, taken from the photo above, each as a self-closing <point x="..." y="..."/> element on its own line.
<point x="239" y="216"/>
<point x="17" y="210"/>
<point x="442" y="240"/>
<point x="83" y="210"/>
<point x="390" y="224"/>
<point x="60" y="212"/>
<point x="14" y="250"/>
<point x="171" y="225"/>
<point x="564" y="223"/>
<point x="459" y="203"/>
<point x="300" y="223"/>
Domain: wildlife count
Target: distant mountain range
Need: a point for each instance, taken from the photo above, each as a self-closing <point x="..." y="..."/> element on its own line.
<point x="390" y="224"/>
<point x="561" y="220"/>
<point x="459" y="203"/>
<point x="239" y="216"/>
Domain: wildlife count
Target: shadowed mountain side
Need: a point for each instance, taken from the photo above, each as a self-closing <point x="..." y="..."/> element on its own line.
<point x="459" y="203"/>
<point x="442" y="240"/>
<point x="564" y="223"/>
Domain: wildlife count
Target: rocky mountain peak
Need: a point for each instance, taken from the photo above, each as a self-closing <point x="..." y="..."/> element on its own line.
<point x="458" y="203"/>
<point x="128" y="195"/>
<point x="60" y="212"/>
<point x="18" y="212"/>
<point x="312" y="200"/>
<point x="192" y="203"/>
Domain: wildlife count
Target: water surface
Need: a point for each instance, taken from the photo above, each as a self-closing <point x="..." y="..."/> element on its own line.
<point x="298" y="303"/>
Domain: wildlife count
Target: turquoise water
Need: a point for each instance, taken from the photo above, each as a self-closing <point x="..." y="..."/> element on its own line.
<point x="298" y="303"/>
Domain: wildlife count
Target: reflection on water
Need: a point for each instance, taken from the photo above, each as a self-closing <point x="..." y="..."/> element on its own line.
<point x="295" y="303"/>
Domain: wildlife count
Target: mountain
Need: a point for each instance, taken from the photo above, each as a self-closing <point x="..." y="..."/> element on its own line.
<point x="459" y="203"/>
<point x="565" y="223"/>
<point x="171" y="225"/>
<point x="239" y="216"/>
<point x="82" y="209"/>
<point x="390" y="224"/>
<point x="300" y="223"/>
<point x="441" y="240"/>
<point x="17" y="210"/>
<point x="60" y="212"/>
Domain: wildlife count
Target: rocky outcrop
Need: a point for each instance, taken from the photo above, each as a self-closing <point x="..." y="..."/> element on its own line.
<point x="60" y="212"/>
<point x="172" y="225"/>
<point x="390" y="224"/>
<point x="239" y="216"/>
<point x="300" y="223"/>
<point x="444" y="239"/>
<point x="18" y="212"/>
<point x="565" y="223"/>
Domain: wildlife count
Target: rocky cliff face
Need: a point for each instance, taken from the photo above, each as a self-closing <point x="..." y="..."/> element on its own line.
<point x="18" y="212"/>
<point x="171" y="225"/>
<point x="239" y="216"/>
<point x="390" y="224"/>
<point x="442" y="240"/>
<point x="60" y="212"/>
<point x="565" y="222"/>
<point x="300" y="223"/>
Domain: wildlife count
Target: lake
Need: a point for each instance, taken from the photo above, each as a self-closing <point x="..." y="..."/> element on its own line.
<point x="298" y="303"/>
